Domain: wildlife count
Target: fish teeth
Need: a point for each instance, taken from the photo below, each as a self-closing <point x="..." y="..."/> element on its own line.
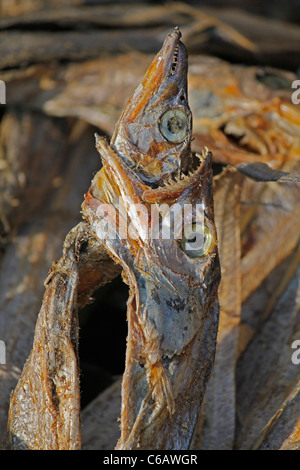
<point x="205" y="152"/>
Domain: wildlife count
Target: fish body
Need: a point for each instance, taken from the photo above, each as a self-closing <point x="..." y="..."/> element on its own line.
<point x="150" y="183"/>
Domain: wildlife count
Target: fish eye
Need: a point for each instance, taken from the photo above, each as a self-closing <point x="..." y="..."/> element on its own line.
<point x="174" y="125"/>
<point x="198" y="240"/>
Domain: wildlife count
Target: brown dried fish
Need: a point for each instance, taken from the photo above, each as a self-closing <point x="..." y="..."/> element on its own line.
<point x="244" y="115"/>
<point x="45" y="405"/>
<point x="172" y="308"/>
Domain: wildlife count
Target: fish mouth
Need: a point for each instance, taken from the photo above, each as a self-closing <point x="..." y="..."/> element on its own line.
<point x="172" y="188"/>
<point x="174" y="54"/>
<point x="175" y="58"/>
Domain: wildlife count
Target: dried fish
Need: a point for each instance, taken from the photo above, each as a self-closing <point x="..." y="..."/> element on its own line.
<point x="216" y="421"/>
<point x="271" y="379"/>
<point x="172" y="309"/>
<point x="245" y="116"/>
<point x="45" y="405"/>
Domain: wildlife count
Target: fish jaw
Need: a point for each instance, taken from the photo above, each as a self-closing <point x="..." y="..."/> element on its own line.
<point x="172" y="308"/>
<point x="137" y="137"/>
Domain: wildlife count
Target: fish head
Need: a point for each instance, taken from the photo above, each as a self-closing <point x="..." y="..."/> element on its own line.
<point x="154" y="131"/>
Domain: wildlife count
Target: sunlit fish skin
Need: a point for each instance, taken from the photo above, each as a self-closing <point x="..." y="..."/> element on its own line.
<point x="172" y="307"/>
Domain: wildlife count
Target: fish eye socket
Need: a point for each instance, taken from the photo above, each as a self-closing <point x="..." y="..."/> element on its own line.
<point x="174" y="125"/>
<point x="198" y="240"/>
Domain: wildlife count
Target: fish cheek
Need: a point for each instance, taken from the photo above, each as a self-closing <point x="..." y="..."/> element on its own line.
<point x="182" y="320"/>
<point x="144" y="135"/>
<point x="161" y="315"/>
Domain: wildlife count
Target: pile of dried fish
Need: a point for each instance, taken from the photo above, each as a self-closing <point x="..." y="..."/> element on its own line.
<point x="243" y="114"/>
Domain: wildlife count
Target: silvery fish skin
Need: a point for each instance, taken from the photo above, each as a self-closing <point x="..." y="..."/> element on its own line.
<point x="172" y="307"/>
